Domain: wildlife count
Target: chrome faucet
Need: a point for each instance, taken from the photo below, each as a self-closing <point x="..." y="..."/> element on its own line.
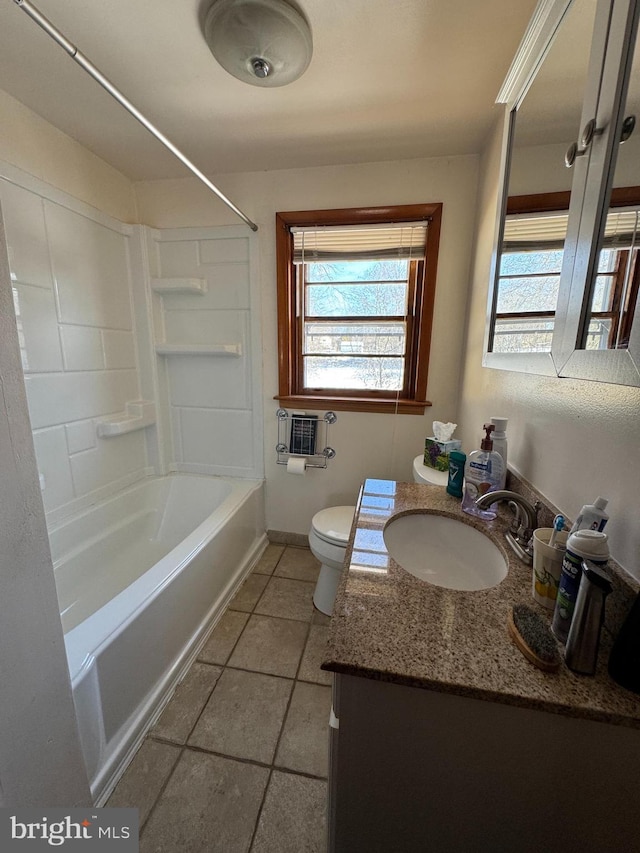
<point x="525" y="520"/>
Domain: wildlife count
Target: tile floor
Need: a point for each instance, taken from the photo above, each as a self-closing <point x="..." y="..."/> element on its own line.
<point x="238" y="759"/>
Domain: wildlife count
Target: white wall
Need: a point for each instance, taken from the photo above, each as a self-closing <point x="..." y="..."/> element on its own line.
<point x="374" y="445"/>
<point x="71" y="287"/>
<point x="32" y="144"/>
<point x="572" y="439"/>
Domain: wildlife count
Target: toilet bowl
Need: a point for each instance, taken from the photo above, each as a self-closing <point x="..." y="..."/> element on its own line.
<point x="328" y="539"/>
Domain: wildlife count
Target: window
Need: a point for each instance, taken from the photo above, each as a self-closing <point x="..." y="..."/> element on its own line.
<point x="355" y="305"/>
<point x="530" y="267"/>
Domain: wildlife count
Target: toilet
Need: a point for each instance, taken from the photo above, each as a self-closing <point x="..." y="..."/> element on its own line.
<point x="328" y="539"/>
<point x="329" y="535"/>
<point x="423" y="474"/>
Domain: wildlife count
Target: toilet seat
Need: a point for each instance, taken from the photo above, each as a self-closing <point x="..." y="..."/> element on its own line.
<point x="333" y="524"/>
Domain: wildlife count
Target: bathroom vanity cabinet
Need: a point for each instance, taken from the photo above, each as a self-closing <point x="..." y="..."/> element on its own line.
<point x="444" y="737"/>
<point x="420" y="770"/>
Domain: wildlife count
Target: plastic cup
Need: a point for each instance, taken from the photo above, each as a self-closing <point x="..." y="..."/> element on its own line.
<point x="547" y="565"/>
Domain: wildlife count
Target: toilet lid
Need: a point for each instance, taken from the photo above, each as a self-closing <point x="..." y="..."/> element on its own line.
<point x="334" y="523"/>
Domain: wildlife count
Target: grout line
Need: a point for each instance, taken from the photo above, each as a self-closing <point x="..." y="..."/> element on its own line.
<point x="164" y="784"/>
<point x="181" y="746"/>
<point x="272" y="765"/>
<point x="284" y="718"/>
<point x="191" y="747"/>
<point x="259" y="815"/>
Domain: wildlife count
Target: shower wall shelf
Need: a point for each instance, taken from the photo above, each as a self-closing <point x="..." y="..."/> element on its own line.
<point x="221" y="350"/>
<point x="299" y="436"/>
<point x="195" y="286"/>
<point x="138" y="415"/>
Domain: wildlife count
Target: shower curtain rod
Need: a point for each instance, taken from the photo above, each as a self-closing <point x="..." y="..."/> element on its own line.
<point x="91" y="69"/>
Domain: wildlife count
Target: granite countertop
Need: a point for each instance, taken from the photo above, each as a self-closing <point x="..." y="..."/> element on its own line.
<point x="390" y="626"/>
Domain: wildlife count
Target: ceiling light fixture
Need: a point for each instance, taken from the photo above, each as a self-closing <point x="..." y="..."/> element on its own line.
<point x="261" y="42"/>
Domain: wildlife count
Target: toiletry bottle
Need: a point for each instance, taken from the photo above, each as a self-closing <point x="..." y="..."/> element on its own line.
<point x="592" y="516"/>
<point x="482" y="473"/>
<point x="583" y="545"/>
<point x="456" y="473"/>
<point x="583" y="642"/>
<point x="500" y="443"/>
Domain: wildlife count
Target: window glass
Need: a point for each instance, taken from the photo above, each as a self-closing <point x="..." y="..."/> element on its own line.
<point x="382" y="374"/>
<point x="356" y="292"/>
<point x="527" y="288"/>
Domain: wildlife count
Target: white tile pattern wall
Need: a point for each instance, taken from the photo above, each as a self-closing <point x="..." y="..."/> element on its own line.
<point x="212" y="400"/>
<point x="72" y="293"/>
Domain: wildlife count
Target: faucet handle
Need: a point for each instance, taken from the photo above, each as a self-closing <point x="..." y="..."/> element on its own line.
<point x="516" y="521"/>
<point x="536" y="507"/>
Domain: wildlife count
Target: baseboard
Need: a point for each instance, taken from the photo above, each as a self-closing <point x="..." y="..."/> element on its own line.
<point x="281" y="537"/>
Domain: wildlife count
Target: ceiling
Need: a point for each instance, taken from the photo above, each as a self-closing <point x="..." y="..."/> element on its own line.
<point x="389" y="80"/>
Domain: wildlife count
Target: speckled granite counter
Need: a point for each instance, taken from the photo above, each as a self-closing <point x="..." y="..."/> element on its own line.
<point x="390" y="626"/>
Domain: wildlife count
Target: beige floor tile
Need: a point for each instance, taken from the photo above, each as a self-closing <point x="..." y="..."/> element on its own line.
<point x="270" y="645"/>
<point x="209" y="806"/>
<point x="144" y="777"/>
<point x="293" y="817"/>
<point x="304" y="745"/>
<point x="299" y="564"/>
<point x="244" y="716"/>
<point x="246" y="597"/>
<point x="269" y="560"/>
<point x="224" y="637"/>
<point x="287" y="599"/>
<point x="184" y="708"/>
<point x="320" y="618"/>
<point x="313" y="656"/>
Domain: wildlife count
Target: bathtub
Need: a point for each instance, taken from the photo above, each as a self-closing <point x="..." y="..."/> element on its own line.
<point x="141" y="579"/>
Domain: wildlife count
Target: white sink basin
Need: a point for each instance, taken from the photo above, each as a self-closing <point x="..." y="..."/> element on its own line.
<point x="444" y="552"/>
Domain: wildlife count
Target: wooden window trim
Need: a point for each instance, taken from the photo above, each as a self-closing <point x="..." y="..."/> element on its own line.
<point x="413" y="399"/>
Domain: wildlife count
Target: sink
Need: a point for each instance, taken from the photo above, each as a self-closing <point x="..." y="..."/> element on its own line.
<point x="444" y="551"/>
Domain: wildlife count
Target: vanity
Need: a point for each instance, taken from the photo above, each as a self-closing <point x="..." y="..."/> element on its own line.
<point x="443" y="736"/>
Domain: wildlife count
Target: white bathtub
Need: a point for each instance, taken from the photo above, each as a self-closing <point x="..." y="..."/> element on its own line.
<point x="141" y="578"/>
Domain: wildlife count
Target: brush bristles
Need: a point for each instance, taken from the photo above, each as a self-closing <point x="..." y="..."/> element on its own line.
<point x="535" y="633"/>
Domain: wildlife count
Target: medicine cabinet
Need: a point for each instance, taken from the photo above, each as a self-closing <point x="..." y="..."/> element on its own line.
<point x="566" y="271"/>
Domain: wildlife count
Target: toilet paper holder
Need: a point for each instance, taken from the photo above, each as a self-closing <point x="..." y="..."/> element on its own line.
<point x="300" y="434"/>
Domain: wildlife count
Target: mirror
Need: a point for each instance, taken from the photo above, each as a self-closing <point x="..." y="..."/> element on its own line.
<point x="545" y="123"/>
<point x="564" y="291"/>
<point x="613" y="294"/>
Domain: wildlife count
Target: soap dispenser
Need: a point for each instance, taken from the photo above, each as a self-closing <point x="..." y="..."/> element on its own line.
<point x="484" y="472"/>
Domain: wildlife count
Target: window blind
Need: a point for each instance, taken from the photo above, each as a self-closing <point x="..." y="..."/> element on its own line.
<point x="531" y="231"/>
<point x="404" y="241"/>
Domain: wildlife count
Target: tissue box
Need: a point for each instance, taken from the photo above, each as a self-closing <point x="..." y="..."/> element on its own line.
<point x="436" y="453"/>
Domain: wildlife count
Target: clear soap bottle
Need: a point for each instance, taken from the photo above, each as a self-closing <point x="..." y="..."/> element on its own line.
<point x="484" y="472"/>
<point x="499" y="438"/>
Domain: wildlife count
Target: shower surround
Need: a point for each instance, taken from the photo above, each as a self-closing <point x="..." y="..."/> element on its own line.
<point x="141" y="358"/>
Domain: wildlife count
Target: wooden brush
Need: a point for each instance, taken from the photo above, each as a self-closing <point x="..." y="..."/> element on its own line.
<point x="533" y="637"/>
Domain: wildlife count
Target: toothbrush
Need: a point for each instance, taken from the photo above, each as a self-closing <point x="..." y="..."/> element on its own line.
<point x="558" y="524"/>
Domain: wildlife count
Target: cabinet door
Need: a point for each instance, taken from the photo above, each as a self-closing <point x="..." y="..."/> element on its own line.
<point x="579" y="353"/>
<point x="585" y="343"/>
